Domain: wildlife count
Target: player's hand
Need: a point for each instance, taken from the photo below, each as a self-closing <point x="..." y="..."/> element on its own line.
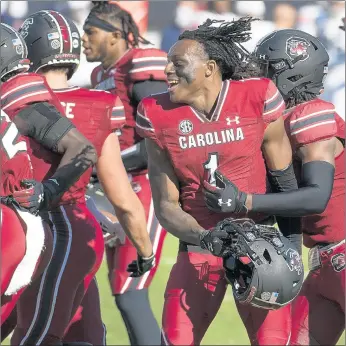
<point x="36" y="195"/>
<point x="342" y="27"/>
<point x="141" y="266"/>
<point x="225" y="197"/>
<point x="216" y="242"/>
<point x="32" y="197"/>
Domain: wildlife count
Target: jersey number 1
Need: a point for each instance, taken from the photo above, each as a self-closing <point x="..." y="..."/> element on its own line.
<point x="210" y="167"/>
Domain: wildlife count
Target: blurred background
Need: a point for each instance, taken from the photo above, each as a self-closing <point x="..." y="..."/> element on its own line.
<point x="161" y="22"/>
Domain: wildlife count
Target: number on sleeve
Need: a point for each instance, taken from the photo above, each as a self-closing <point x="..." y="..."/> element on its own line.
<point x="211" y="166"/>
<point x="9" y="138"/>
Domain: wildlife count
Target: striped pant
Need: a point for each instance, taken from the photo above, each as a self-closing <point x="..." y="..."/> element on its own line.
<point x="47" y="306"/>
<point x="119" y="257"/>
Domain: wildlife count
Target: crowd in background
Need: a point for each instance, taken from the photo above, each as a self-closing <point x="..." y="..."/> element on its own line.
<point x="167" y="19"/>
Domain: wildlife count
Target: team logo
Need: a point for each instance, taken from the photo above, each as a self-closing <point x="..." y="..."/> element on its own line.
<point x="297" y="46"/>
<point x="293" y="261"/>
<point x="25" y="27"/>
<point x="185" y="127"/>
<point x="338" y="262"/>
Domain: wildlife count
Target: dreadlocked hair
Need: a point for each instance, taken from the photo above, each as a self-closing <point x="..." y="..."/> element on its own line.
<point x="223" y="43"/>
<point x="299" y="94"/>
<point x="113" y="12"/>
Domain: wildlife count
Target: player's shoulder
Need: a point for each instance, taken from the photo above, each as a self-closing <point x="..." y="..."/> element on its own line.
<point x="23" y="81"/>
<point x="313" y="120"/>
<point x="97" y="95"/>
<point x="138" y="53"/>
<point x="248" y="83"/>
<point x="157" y="104"/>
<point x="258" y="88"/>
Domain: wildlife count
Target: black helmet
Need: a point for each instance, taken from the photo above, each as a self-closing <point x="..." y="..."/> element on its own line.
<point x="52" y="40"/>
<point x="13" y="51"/>
<point x="293" y="59"/>
<point x="265" y="269"/>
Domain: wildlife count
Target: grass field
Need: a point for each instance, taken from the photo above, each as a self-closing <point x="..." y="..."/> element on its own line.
<point x="226" y="329"/>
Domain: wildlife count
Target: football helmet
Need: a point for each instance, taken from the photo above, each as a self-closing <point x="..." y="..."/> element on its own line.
<point x="293" y="59"/>
<point x="52" y="40"/>
<point x="14" y="52"/>
<point x="264" y="269"/>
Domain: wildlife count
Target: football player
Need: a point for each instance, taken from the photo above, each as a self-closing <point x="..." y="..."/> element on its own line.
<point x="298" y="64"/>
<point x="213" y="117"/>
<point x="27" y="100"/>
<point x="112" y="38"/>
<point x="97" y="114"/>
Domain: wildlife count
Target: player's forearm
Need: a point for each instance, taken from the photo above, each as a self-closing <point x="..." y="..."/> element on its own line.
<point x="311" y="198"/>
<point x="177" y="222"/>
<point x="133" y="222"/>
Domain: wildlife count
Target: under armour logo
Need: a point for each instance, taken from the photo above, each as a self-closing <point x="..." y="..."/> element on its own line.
<point x="236" y="120"/>
<point x="221" y="202"/>
<point x="210" y="247"/>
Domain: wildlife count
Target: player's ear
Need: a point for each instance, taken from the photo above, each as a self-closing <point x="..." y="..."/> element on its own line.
<point x="115" y="37"/>
<point x="211" y="68"/>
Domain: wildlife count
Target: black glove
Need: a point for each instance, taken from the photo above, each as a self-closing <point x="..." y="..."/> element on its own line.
<point x="36" y="196"/>
<point x="216" y="242"/>
<point x="225" y="197"/>
<point x="141" y="266"/>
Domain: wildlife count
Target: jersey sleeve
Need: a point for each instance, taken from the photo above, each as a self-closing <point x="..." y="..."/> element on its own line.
<point x="148" y="64"/>
<point x="274" y="104"/>
<point x="25" y="90"/>
<point x="144" y="125"/>
<point x="118" y="114"/>
<point x="311" y="124"/>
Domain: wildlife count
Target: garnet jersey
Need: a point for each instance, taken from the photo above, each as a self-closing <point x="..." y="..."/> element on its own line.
<point x="14" y="160"/>
<point x="95" y="114"/>
<point x="24" y="89"/>
<point x="136" y="65"/>
<point x="17" y="93"/>
<point x="310" y="122"/>
<point x="230" y="141"/>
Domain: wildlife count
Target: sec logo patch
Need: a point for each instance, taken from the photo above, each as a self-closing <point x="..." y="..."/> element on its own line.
<point x="185" y="127"/>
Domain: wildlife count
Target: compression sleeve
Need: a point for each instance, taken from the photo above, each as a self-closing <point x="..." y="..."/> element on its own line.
<point x="311" y="198"/>
<point x="147" y="88"/>
<point x="135" y="157"/>
<point x="43" y="122"/>
<point x="285" y="181"/>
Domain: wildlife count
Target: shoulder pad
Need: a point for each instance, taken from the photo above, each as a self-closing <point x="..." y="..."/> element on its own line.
<point x="23" y="90"/>
<point x="313" y="121"/>
<point x="148" y="64"/>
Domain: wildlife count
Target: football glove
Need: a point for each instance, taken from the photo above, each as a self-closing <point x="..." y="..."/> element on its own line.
<point x="36" y="195"/>
<point x="215" y="241"/>
<point x="225" y="197"/>
<point x="141" y="266"/>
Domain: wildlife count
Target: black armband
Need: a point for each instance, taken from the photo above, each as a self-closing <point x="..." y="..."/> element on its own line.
<point x="44" y="123"/>
<point x="147" y="88"/>
<point x="311" y="198"/>
<point x="135" y="157"/>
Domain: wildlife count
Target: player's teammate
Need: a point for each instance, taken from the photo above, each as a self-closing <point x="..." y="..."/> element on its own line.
<point x="28" y="101"/>
<point x="25" y="99"/>
<point x="97" y="114"/>
<point x="112" y="37"/>
<point x="206" y="122"/>
<point x="298" y="63"/>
